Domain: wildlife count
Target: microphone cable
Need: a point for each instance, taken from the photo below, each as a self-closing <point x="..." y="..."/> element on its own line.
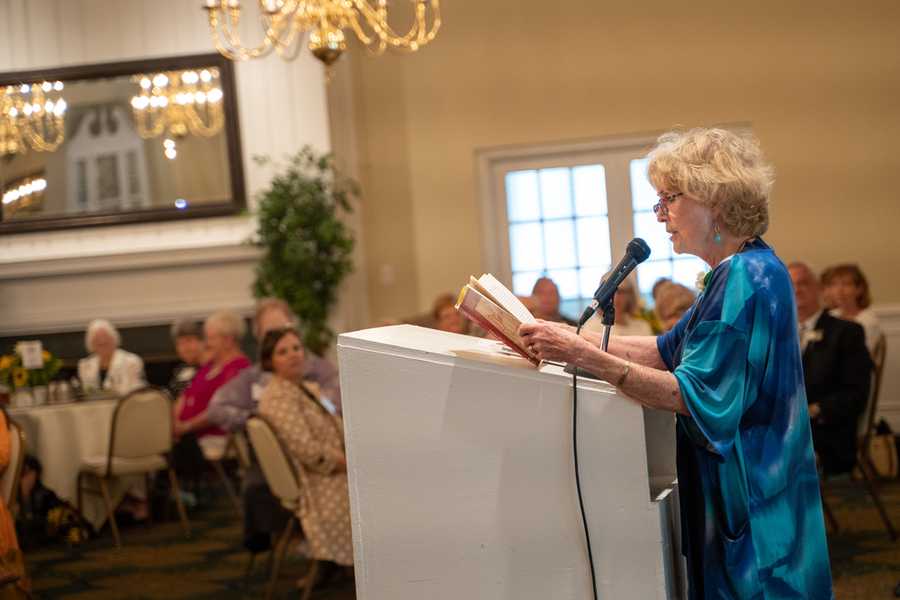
<point x="587" y="535"/>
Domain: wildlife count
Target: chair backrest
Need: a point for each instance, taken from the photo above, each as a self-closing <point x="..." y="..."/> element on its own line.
<point x="867" y="422"/>
<point x="276" y="464"/>
<point x="9" y="481"/>
<point x="142" y="424"/>
<point x="238" y="442"/>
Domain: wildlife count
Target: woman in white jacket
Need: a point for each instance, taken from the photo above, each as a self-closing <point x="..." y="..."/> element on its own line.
<point x="109" y="367"/>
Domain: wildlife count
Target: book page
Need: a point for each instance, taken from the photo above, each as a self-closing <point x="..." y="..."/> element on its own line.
<point x="493" y="318"/>
<point x="505" y="298"/>
<point x="476" y="285"/>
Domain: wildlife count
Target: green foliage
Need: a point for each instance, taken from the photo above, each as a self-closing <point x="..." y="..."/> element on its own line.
<point x="307" y="247"/>
<point x="13" y="375"/>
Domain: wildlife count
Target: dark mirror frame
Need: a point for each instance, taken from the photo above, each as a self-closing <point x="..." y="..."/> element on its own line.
<point x="118" y="69"/>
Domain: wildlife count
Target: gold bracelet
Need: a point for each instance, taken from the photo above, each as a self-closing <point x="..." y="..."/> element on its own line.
<point x="624" y="375"/>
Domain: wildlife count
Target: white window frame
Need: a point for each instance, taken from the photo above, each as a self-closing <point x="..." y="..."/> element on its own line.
<point x="614" y="153"/>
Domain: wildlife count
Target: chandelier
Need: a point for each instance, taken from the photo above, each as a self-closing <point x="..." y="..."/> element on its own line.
<point x="32" y="115"/>
<point x="178" y="103"/>
<point x="286" y="21"/>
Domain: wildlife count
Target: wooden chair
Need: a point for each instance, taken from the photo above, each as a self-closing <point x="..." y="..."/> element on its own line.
<point x="284" y="481"/>
<point x="140" y="443"/>
<point x="865" y="431"/>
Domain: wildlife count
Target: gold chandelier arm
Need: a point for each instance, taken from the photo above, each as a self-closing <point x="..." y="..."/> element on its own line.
<point x="149" y="122"/>
<point x="40" y="126"/>
<point x="420" y="32"/>
<point x="228" y="42"/>
<point x="197" y="125"/>
<point x="48" y="137"/>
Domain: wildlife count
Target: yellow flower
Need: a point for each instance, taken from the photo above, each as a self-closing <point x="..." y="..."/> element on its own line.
<point x="20" y="377"/>
<point x="45" y="355"/>
<point x="6" y="361"/>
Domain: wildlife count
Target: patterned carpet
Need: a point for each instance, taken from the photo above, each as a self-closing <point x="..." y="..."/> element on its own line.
<point x="159" y="562"/>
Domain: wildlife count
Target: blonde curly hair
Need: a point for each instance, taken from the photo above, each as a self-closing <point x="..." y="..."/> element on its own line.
<point x="724" y="170"/>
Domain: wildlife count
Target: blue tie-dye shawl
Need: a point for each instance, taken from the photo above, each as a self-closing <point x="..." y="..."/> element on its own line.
<point x="751" y="512"/>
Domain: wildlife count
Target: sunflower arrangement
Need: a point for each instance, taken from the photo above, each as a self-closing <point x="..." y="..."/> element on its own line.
<point x="13" y="375"/>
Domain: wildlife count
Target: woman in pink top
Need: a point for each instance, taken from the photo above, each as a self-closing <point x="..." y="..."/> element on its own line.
<point x="223" y="330"/>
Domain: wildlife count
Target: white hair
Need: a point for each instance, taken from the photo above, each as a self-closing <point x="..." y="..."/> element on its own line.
<point x="719" y="168"/>
<point x="95" y="327"/>
<point x="227" y="322"/>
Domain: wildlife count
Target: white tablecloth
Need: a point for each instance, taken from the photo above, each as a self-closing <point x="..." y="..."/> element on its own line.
<point x="61" y="436"/>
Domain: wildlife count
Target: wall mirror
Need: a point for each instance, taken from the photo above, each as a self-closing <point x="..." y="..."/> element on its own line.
<point x="122" y="142"/>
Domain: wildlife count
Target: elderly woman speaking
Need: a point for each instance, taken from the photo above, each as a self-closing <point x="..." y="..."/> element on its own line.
<point x="731" y="372"/>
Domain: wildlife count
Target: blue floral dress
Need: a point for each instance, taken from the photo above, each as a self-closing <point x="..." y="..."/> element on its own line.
<point x="751" y="514"/>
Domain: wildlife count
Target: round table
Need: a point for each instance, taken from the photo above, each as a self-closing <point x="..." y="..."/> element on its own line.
<point x="61" y="436"/>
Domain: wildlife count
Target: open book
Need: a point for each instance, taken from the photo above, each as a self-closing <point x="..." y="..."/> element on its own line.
<point x="490" y="305"/>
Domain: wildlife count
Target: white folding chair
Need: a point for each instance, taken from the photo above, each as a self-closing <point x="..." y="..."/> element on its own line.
<point x="140" y="443"/>
<point x="284" y="482"/>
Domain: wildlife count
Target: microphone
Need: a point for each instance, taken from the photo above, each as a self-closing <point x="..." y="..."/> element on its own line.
<point x="636" y="253"/>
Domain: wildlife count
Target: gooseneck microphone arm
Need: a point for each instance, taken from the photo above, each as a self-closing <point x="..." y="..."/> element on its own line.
<point x="636" y="253"/>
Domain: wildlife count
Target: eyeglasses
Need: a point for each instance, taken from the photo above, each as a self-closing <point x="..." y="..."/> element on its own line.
<point x="661" y="208"/>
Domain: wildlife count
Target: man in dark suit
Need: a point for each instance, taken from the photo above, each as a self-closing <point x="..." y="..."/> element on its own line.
<point x="837" y="369"/>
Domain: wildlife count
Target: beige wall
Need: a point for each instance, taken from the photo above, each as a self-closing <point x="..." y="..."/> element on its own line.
<point x="819" y="85"/>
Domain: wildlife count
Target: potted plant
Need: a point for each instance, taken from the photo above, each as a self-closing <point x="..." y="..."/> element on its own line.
<point x="306" y="246"/>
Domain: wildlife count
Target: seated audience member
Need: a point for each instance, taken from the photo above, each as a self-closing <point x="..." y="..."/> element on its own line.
<point x="672" y="301"/>
<point x="12" y="563"/>
<point x="43" y="517"/>
<point x="187" y="335"/>
<point x="836" y="369"/>
<point x="546" y="301"/>
<point x="446" y="317"/>
<point x="236" y="401"/>
<point x="223" y="331"/>
<point x="828" y="301"/>
<point x="628" y="320"/>
<point x="849" y="291"/>
<point x="314" y="438"/>
<point x="658" y="285"/>
<point x="109" y="367"/>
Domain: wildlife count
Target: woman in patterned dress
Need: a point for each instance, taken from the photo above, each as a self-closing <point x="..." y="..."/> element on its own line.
<point x="315" y="440"/>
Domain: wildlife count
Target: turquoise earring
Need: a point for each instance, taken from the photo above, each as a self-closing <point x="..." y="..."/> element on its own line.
<point x="717" y="236"/>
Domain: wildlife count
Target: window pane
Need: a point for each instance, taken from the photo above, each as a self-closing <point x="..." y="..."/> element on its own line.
<point x="526" y="247"/>
<point x="590" y="190"/>
<point x="522" y="196"/>
<point x="589" y="280"/>
<point x="648" y="273"/>
<point x="556" y="193"/>
<point x="593" y="242"/>
<point x="524" y="282"/>
<point x="567" y="282"/>
<point x="686" y="269"/>
<point x="654" y="233"/>
<point x="560" y="244"/>
<point x="573" y="308"/>
<point x="643" y="196"/>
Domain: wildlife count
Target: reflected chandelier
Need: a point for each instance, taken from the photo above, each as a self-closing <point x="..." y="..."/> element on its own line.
<point x="286" y="21"/>
<point x="32" y="115"/>
<point x="176" y="103"/>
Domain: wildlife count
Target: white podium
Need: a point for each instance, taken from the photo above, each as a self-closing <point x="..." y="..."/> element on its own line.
<point x="462" y="483"/>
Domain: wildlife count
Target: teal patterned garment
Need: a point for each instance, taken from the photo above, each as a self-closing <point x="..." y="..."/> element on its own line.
<point x="751" y="512"/>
